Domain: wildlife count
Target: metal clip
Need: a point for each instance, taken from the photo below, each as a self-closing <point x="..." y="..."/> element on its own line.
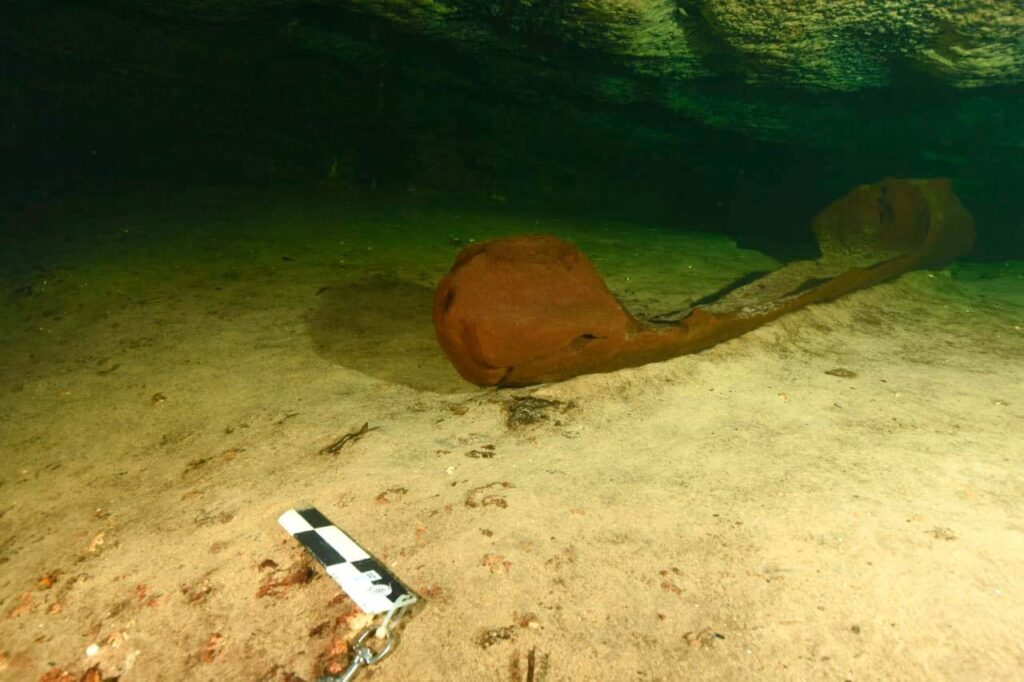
<point x="363" y="655"/>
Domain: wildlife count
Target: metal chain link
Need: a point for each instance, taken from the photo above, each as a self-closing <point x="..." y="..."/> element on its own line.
<point x="363" y="655"/>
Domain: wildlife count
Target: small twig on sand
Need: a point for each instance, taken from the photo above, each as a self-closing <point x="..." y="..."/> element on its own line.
<point x="350" y="437"/>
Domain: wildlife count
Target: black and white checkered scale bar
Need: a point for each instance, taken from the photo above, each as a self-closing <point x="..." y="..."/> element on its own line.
<point x="370" y="584"/>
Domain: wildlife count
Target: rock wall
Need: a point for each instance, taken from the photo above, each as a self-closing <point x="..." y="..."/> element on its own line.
<point x="764" y="108"/>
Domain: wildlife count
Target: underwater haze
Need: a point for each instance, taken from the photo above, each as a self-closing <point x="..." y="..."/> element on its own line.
<point x="641" y="339"/>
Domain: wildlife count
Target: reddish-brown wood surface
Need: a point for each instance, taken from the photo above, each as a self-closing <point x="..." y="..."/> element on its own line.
<point x="532" y="309"/>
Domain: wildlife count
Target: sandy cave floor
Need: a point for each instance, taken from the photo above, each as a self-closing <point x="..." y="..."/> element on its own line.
<point x="171" y="367"/>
